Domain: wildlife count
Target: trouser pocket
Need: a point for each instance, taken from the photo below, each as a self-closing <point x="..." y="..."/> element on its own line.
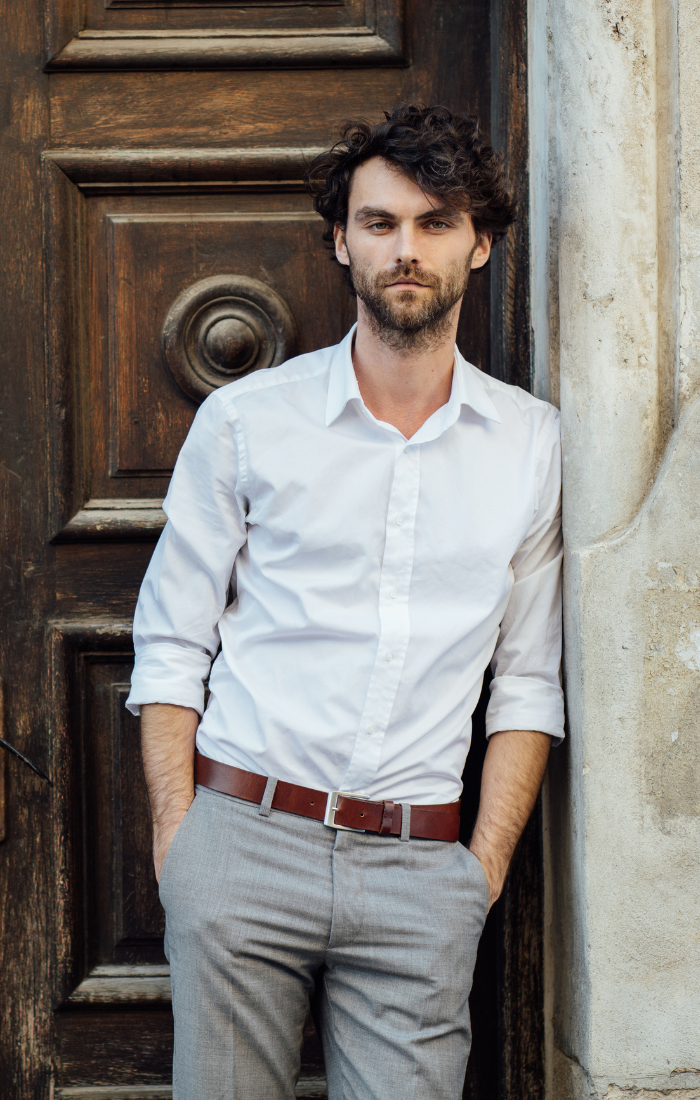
<point x="173" y="853"/>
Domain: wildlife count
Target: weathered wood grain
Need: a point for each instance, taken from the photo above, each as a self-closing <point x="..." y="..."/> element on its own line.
<point x="111" y="1048"/>
<point x="115" y="1092"/>
<point x="116" y="518"/>
<point x="521" y="917"/>
<point x="511" y="333"/>
<point x="123" y="985"/>
<point x="163" y="50"/>
<point x="99" y="578"/>
<point x="307" y="1088"/>
<point x="153" y="36"/>
<point x="228" y="110"/>
<point x="108" y="167"/>
<point x="26" y="889"/>
<point x="522" y="997"/>
<point x="3" y="769"/>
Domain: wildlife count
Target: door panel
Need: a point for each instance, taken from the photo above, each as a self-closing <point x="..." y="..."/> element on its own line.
<point x="160" y="244"/>
<point x="143" y="246"/>
<point x="125" y="922"/>
<point x="148" y="252"/>
<point x="225" y="111"/>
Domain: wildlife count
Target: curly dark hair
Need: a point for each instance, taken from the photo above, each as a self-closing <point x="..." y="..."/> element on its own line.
<point x="444" y="153"/>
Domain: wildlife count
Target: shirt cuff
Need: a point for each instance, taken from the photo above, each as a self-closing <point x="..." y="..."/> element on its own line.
<point x="523" y="703"/>
<point x="169" y="674"/>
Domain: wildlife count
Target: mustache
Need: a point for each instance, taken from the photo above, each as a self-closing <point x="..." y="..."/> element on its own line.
<point x="408" y="271"/>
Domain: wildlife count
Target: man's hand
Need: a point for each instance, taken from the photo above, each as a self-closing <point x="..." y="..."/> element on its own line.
<point x="512" y="776"/>
<point x="167" y="747"/>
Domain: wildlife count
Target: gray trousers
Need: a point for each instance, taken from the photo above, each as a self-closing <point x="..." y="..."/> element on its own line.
<point x="261" y="910"/>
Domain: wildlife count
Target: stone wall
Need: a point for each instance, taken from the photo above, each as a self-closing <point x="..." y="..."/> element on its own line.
<point x="622" y="814"/>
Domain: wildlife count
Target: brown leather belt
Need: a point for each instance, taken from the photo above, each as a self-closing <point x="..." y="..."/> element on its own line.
<point x="340" y="811"/>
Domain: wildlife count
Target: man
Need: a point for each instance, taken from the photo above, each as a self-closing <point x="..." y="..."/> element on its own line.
<point x="361" y="530"/>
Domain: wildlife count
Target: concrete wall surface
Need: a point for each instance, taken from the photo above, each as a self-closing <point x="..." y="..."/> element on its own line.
<point x="622" y="814"/>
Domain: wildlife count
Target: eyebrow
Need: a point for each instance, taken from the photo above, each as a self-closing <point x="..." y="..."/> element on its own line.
<point x="434" y="212"/>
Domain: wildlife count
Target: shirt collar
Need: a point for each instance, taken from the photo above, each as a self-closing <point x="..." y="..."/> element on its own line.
<point x="470" y="390"/>
<point x="342" y="384"/>
<point x="467" y="388"/>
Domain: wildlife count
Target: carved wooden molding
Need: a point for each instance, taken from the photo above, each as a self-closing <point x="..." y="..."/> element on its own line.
<point x="378" y="41"/>
<point x="204" y="50"/>
<point x="307" y="1088"/>
<point x="115" y="1092"/>
<point x="68" y="640"/>
<point x="311" y="1088"/>
<point x="107" y="168"/>
<point x="73" y="644"/>
<point x="123" y="985"/>
<point x="115" y="519"/>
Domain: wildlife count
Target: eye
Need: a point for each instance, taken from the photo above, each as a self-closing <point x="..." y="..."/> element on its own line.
<point x="437" y="225"/>
<point x="379" y="225"/>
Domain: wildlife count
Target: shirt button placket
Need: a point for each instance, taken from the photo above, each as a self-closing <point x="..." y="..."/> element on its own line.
<point x="397" y="565"/>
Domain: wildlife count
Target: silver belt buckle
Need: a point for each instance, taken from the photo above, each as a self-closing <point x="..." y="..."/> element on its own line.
<point x="332" y="806"/>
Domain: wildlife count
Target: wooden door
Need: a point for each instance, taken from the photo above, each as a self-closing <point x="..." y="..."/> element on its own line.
<point x="157" y="242"/>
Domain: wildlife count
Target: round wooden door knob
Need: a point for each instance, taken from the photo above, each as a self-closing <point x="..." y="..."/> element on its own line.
<point x="222" y="328"/>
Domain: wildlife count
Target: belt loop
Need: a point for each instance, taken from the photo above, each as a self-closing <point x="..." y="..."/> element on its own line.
<point x="405" y="821"/>
<point x="266" y="804"/>
<point x="387" y="817"/>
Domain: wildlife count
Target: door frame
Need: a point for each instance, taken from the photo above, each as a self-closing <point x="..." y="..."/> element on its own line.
<point x="519" y="356"/>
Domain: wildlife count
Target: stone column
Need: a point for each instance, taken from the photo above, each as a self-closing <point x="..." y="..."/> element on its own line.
<point x="623" y="805"/>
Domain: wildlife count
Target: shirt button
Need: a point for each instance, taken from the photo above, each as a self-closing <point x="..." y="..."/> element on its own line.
<point x="371" y="729"/>
<point x="389" y="656"/>
<point x="406" y="450"/>
<point x="398" y="521"/>
<point x="393" y="594"/>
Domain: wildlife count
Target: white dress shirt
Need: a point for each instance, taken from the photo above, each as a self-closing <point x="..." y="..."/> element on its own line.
<point x="356" y="582"/>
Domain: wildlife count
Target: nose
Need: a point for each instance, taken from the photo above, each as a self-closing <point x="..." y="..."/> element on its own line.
<point x="407" y="246"/>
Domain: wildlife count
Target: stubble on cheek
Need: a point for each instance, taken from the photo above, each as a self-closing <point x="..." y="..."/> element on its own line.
<point x="410" y="319"/>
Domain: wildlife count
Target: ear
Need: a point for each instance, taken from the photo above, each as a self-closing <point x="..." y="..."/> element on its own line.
<point x="482" y="251"/>
<point x="341" y="251"/>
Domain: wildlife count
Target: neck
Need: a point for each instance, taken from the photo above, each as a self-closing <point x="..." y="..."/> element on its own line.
<point x="403" y="386"/>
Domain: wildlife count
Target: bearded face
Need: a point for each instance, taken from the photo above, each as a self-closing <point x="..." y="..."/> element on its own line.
<point x="408" y="254"/>
<point x="410" y="319"/>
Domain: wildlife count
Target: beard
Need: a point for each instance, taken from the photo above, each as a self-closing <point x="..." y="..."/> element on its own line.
<point x="410" y="320"/>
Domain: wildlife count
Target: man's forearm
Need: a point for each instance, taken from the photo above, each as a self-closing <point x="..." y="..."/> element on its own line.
<point x="513" y="770"/>
<point x="167" y="747"/>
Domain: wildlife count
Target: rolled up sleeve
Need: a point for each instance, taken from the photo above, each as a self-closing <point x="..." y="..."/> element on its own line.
<point x="186" y="586"/>
<point x="526" y="691"/>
